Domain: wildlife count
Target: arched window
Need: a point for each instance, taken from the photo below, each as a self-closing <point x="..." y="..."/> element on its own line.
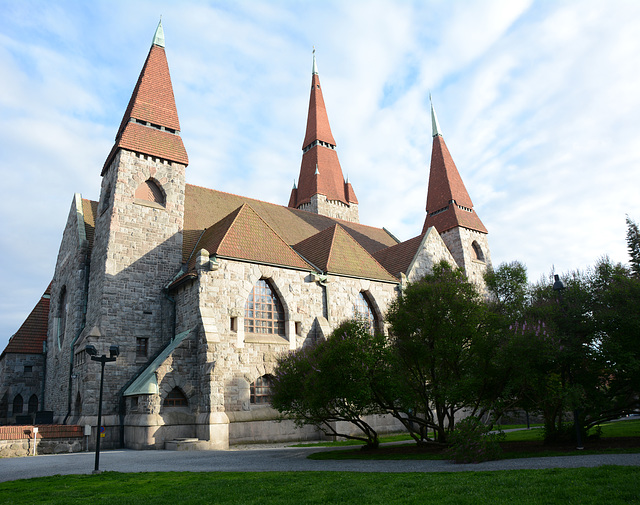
<point x="33" y="404"/>
<point x="477" y="251"/>
<point x="62" y="315"/>
<point x="260" y="390"/>
<point x="18" y="403"/>
<point x="176" y="398"/>
<point x="263" y="312"/>
<point x="150" y="192"/>
<point x="363" y="310"/>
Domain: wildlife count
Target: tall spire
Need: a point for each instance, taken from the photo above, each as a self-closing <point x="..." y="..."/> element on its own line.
<point x="150" y="124"/>
<point x="320" y="172"/>
<point x="448" y="203"/>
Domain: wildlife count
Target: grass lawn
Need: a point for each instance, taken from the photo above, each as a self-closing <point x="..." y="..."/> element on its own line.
<point x="617" y="437"/>
<point x="609" y="484"/>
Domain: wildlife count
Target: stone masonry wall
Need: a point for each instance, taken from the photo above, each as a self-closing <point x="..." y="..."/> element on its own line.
<point x="137" y="251"/>
<point x="14" y="381"/>
<point x="460" y="242"/>
<point x="70" y="274"/>
<point x="335" y="209"/>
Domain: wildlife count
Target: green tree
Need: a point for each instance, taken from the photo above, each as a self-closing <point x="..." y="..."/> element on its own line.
<point x="330" y="383"/>
<point x="434" y="324"/>
<point x="633" y="244"/>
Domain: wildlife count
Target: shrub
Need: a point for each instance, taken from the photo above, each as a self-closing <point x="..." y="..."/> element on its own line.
<point x="471" y="442"/>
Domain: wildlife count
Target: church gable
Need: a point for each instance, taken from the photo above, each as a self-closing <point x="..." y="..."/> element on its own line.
<point x="335" y="251"/>
<point x="244" y="235"/>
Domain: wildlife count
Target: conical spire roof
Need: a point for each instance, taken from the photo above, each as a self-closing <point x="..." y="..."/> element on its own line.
<point x="320" y="171"/>
<point x="448" y="202"/>
<point x="150" y="124"/>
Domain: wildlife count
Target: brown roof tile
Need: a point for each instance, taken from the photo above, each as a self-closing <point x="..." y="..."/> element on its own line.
<point x="244" y="235"/>
<point x="445" y="186"/>
<point x="397" y="259"/>
<point x="335" y="251"/>
<point x="28" y="339"/>
<point x="205" y="207"/>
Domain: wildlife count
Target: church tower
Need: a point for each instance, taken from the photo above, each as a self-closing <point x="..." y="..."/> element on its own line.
<point x="450" y="211"/>
<point x="137" y="248"/>
<point x="321" y="187"/>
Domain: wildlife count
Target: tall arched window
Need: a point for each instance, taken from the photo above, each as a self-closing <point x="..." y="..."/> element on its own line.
<point x="176" y="398"/>
<point x="363" y="310"/>
<point x="260" y="390"/>
<point x="150" y="192"/>
<point x="18" y="404"/>
<point x="62" y="315"/>
<point x="263" y="312"/>
<point x="33" y="404"/>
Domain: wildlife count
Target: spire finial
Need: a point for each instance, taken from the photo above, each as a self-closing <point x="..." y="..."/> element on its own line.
<point x="314" y="70"/>
<point x="435" y="126"/>
<point x="158" y="37"/>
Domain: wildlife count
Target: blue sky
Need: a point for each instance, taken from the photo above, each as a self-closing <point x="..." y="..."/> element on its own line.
<point x="538" y="102"/>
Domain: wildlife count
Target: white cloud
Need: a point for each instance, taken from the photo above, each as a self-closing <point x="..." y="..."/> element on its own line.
<point x="538" y="102"/>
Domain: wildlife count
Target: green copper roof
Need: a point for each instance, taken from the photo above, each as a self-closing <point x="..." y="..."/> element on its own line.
<point x="435" y="126"/>
<point x="158" y="37"/>
<point x="147" y="382"/>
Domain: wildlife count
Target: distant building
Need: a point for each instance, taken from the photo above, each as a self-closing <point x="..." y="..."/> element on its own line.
<point x="202" y="290"/>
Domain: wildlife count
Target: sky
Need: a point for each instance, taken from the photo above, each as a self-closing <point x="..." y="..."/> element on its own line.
<point x="538" y="103"/>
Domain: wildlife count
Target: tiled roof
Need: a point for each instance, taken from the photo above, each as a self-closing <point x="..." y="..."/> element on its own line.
<point x="320" y="171"/>
<point x="335" y="251"/>
<point x="328" y="180"/>
<point x="28" y="339"/>
<point x="206" y="207"/>
<point x="397" y="259"/>
<point x="445" y="186"/>
<point x="152" y="101"/>
<point x="317" y="120"/>
<point x="244" y="235"/>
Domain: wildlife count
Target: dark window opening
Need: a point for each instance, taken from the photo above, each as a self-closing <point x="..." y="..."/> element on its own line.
<point x="263" y="311"/>
<point x="260" y="390"/>
<point x="176" y="398"/>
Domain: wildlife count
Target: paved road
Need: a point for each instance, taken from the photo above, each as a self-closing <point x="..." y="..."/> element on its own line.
<point x="268" y="460"/>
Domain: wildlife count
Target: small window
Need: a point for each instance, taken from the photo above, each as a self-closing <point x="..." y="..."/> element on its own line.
<point x="142" y="347"/>
<point x="477" y="251"/>
<point x="18" y="404"/>
<point x="298" y="328"/>
<point x="28" y="371"/>
<point x="150" y="192"/>
<point x="260" y="390"/>
<point x="176" y="398"/>
<point x="62" y="315"/>
<point x="134" y="403"/>
<point x="233" y="324"/>
<point x="362" y="310"/>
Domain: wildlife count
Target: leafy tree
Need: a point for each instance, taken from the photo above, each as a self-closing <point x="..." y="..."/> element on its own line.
<point x="509" y="289"/>
<point x="330" y="383"/>
<point x="633" y="244"/>
<point x="434" y="324"/>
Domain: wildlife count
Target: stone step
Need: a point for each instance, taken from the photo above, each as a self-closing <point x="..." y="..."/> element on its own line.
<point x="187" y="444"/>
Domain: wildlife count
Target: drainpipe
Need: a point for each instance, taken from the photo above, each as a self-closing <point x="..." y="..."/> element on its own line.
<point x="44" y="373"/>
<point x="87" y="268"/>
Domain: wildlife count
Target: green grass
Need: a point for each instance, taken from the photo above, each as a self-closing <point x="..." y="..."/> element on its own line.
<point x="587" y="486"/>
<point x="613" y="429"/>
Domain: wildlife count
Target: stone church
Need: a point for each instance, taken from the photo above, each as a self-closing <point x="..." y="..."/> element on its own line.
<point x="202" y="290"/>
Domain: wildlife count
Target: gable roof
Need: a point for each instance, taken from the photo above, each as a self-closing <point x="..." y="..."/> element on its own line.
<point x="244" y="235"/>
<point x="205" y="207"/>
<point x="33" y="332"/>
<point x="398" y="258"/>
<point x="334" y="251"/>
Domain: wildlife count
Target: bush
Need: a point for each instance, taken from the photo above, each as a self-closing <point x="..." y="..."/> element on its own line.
<point x="471" y="442"/>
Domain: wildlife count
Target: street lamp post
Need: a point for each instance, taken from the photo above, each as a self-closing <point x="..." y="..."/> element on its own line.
<point x="558" y="287"/>
<point x="114" y="351"/>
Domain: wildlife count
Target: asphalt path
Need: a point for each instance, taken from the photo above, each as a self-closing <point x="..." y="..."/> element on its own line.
<point x="270" y="460"/>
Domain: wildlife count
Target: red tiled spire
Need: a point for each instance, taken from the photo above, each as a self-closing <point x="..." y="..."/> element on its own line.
<point x="320" y="171"/>
<point x="150" y="124"/>
<point x="448" y="203"/>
